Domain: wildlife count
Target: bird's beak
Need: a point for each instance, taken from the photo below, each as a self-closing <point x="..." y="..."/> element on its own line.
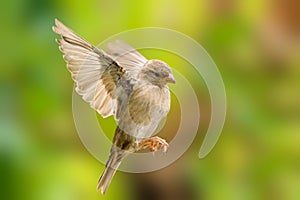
<point x="170" y="79"/>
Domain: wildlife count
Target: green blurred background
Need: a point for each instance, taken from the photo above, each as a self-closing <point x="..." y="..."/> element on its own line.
<point x="255" y="44"/>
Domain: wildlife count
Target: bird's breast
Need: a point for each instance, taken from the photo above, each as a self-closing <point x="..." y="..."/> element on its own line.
<point x="146" y="106"/>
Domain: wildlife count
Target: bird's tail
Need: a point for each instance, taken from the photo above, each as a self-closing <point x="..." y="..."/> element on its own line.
<point x="112" y="165"/>
<point x="105" y="179"/>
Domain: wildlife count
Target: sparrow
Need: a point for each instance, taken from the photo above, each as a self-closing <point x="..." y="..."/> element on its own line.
<point x="121" y="83"/>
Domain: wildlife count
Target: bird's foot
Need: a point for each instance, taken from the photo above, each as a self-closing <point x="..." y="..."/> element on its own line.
<point x="154" y="144"/>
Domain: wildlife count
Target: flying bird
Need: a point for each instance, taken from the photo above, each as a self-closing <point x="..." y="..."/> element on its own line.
<point x="121" y="83"/>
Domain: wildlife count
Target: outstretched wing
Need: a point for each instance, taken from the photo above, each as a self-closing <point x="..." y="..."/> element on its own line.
<point x="95" y="73"/>
<point x="127" y="57"/>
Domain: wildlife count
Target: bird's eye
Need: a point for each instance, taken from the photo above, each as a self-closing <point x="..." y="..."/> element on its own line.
<point x="155" y="73"/>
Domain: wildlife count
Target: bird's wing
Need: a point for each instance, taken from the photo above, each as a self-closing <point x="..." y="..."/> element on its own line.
<point x="127" y="57"/>
<point x="95" y="73"/>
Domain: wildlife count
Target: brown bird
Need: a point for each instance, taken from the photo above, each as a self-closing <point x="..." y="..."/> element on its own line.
<point x="122" y="83"/>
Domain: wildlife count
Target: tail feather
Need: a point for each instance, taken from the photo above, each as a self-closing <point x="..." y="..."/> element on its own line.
<point x="112" y="165"/>
<point x="105" y="179"/>
<point x="115" y="157"/>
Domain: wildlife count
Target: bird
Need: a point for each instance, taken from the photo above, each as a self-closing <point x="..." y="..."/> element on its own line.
<point x="122" y="83"/>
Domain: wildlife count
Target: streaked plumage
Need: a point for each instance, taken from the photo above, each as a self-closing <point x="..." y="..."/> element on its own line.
<point x="122" y="83"/>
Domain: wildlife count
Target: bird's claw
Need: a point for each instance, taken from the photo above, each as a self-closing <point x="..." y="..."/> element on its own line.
<point x="154" y="144"/>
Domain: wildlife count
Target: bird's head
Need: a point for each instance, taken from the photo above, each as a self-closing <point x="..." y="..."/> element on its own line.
<point x="157" y="72"/>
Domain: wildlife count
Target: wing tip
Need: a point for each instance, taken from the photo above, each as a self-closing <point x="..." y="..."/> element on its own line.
<point x="56" y="28"/>
<point x="59" y="27"/>
<point x="58" y="41"/>
<point x="56" y="20"/>
<point x="58" y="23"/>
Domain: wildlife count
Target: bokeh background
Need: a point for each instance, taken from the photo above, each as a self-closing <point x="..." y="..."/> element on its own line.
<point x="255" y="44"/>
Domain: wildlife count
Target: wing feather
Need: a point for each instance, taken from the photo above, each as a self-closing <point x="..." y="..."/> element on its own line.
<point x="95" y="73"/>
<point x="127" y="56"/>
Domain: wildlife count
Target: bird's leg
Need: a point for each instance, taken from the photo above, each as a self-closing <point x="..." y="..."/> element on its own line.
<point x="154" y="144"/>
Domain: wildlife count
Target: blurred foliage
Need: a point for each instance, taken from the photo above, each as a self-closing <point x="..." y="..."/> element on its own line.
<point x="255" y="44"/>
